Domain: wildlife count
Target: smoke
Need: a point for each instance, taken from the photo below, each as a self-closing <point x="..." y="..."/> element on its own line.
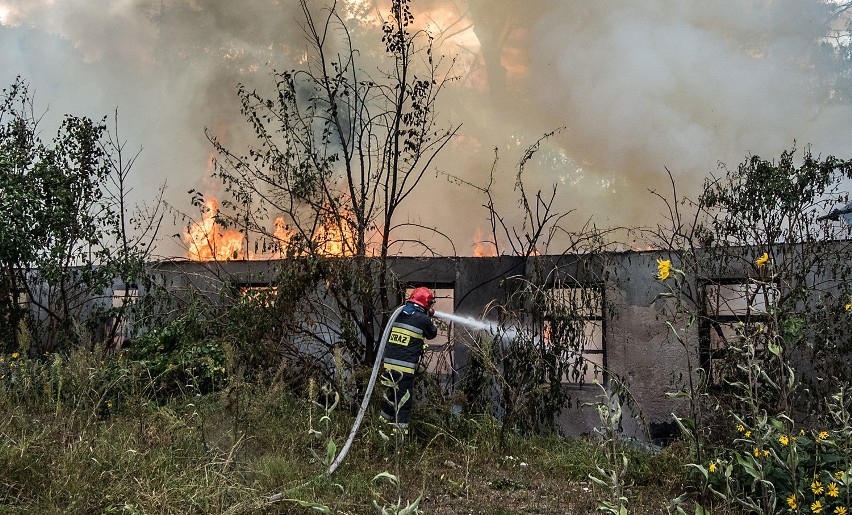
<point x="654" y="84"/>
<point x="636" y="88"/>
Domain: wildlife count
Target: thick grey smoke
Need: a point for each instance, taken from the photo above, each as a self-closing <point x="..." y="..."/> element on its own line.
<point x="638" y="87"/>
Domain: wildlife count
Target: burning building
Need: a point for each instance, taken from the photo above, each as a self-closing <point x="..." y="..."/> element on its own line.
<point x="617" y="324"/>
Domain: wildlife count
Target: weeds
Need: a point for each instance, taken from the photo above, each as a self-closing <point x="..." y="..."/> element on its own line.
<point x="77" y="438"/>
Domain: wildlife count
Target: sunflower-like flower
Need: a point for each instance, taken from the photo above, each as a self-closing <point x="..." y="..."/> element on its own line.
<point x="740" y="428"/>
<point x="664" y="268"/>
<point x="816" y="488"/>
<point x="840" y="510"/>
<point x="832" y="490"/>
<point x="784" y="440"/>
<point x="712" y="467"/>
<point x="762" y="260"/>
<point x="823" y="435"/>
<point x="791" y="501"/>
<point x="816" y="507"/>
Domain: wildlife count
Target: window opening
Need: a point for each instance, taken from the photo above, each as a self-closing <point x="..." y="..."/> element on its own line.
<point x="260" y="295"/>
<point x="574" y="319"/>
<point x="119" y="326"/>
<point x="732" y="308"/>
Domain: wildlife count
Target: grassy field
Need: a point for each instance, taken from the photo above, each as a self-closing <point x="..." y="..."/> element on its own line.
<point x="79" y="438"/>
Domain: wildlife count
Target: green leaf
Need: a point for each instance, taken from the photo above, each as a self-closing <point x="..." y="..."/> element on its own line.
<point x="701" y="469"/>
<point x="413" y="507"/>
<point x="599" y="482"/>
<point x="388" y="476"/>
<point x="322" y="508"/>
<point x="331" y="451"/>
<point x="774" y="348"/>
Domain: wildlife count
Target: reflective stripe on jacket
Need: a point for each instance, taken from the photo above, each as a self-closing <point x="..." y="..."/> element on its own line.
<point x="406" y="340"/>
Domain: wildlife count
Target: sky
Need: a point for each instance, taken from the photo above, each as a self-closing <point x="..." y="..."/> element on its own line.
<point x="635" y="90"/>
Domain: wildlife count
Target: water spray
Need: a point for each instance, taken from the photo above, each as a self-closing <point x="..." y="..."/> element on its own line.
<point x="480" y="325"/>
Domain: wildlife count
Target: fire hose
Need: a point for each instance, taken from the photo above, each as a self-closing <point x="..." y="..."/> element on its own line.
<point x="366" y="401"/>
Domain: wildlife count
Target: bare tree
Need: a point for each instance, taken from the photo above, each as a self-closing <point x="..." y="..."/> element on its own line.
<point x="338" y="150"/>
<point x="546" y="312"/>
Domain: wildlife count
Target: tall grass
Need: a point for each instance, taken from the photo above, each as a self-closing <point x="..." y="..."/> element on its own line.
<point x="83" y="434"/>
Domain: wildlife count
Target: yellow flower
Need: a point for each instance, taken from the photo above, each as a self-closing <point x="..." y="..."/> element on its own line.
<point x="756" y="452"/>
<point x="15" y="355"/>
<point x="802" y="432"/>
<point x="762" y="260"/>
<point x="840" y="510"/>
<point x="823" y="435"/>
<point x="664" y="267"/>
<point x="740" y="428"/>
<point x="792" y="502"/>
<point x="832" y="490"/>
<point x="712" y="467"/>
<point x="766" y="453"/>
<point x="748" y="434"/>
<point x="839" y="474"/>
<point x="816" y="507"/>
<point x="784" y="440"/>
<point x="816" y="487"/>
<point x="848" y="306"/>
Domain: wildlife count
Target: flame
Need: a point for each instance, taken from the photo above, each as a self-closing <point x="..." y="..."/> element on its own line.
<point x="330" y="240"/>
<point x="206" y="240"/>
<point x="282" y="234"/>
<point x="483" y="248"/>
<point x="335" y="240"/>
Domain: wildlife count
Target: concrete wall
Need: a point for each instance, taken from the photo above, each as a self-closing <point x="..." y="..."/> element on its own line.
<point x="638" y="347"/>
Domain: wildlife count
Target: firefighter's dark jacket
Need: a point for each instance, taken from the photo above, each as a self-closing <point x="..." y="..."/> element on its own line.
<point x="406" y="341"/>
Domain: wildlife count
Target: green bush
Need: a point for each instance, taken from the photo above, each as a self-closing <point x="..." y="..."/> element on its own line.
<point x="177" y="357"/>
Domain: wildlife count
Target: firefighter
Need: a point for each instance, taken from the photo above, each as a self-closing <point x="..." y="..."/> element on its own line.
<point x="403" y="350"/>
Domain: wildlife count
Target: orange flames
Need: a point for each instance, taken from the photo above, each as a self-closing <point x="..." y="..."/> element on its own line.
<point x="331" y="240"/>
<point x="483" y="248"/>
<point x="208" y="241"/>
<point x="335" y="240"/>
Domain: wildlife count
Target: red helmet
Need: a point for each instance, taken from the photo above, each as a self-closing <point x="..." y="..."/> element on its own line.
<point x="422" y="296"/>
